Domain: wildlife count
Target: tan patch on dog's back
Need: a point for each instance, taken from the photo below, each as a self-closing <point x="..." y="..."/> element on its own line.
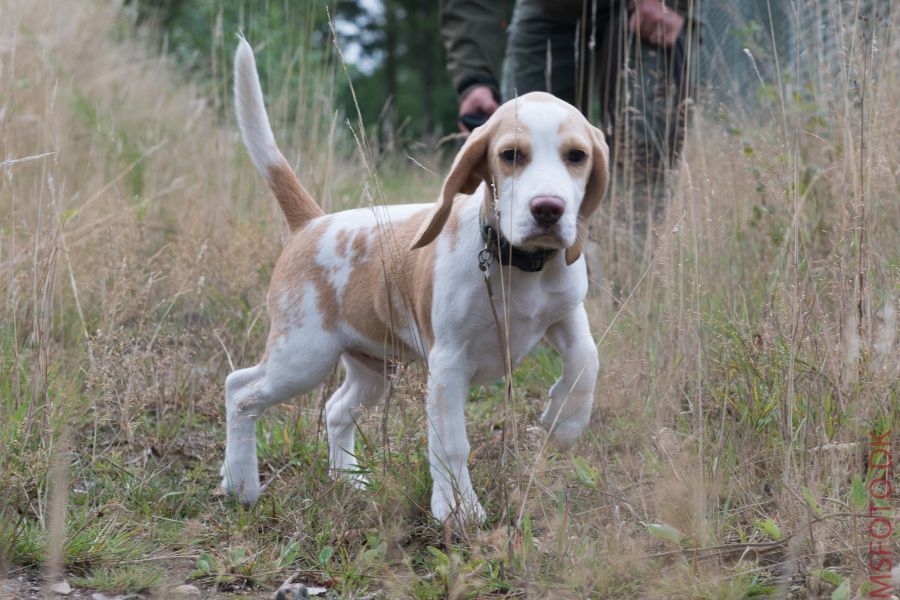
<point x="292" y="271"/>
<point x="389" y="289"/>
<point x="343" y="239"/>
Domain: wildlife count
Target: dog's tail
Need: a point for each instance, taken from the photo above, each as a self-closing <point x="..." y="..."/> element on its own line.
<point x="296" y="203"/>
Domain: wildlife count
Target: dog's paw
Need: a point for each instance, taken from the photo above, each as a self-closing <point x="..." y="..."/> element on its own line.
<point x="359" y="482"/>
<point x="564" y="433"/>
<point x="243" y="489"/>
<point x="354" y="478"/>
<point x="467" y="513"/>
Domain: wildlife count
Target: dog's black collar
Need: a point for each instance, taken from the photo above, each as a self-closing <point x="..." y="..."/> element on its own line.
<point x="508" y="254"/>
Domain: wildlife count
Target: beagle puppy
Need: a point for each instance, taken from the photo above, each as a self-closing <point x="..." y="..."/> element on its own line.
<point x="372" y="286"/>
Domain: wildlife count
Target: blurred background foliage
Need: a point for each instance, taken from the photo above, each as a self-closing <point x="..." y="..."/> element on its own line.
<point x="392" y="49"/>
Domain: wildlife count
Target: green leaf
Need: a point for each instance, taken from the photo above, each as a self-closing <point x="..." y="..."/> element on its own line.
<point x="526" y="536"/>
<point x="858" y="496"/>
<point x="325" y="555"/>
<point x="373" y="554"/>
<point x="67" y="214"/>
<point x="441" y="559"/>
<point x="238" y="555"/>
<point x="203" y="566"/>
<point x="667" y="533"/>
<point x="827" y="576"/>
<point x="289" y="554"/>
<point x="585" y="472"/>
<point x="811" y="501"/>
<point x="770" y="528"/>
<point x="842" y="592"/>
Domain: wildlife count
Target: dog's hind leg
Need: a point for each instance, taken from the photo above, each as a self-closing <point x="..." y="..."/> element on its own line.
<point x="290" y="368"/>
<point x="363" y="387"/>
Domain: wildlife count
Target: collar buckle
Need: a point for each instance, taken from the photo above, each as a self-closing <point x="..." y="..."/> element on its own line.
<point x="485" y="258"/>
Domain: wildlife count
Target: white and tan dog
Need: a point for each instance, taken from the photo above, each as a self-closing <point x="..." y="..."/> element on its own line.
<point x="372" y="286"/>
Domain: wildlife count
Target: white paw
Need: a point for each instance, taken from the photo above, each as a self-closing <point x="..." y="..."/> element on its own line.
<point x="353" y="477"/>
<point x="240" y="483"/>
<point x="467" y="513"/>
<point x="565" y="432"/>
<point x="360" y="482"/>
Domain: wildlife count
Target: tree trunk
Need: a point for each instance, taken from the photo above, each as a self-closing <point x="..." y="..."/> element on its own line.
<point x="390" y="73"/>
<point x="421" y="21"/>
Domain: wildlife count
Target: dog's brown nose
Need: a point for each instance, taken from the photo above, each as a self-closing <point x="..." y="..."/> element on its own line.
<point x="546" y="210"/>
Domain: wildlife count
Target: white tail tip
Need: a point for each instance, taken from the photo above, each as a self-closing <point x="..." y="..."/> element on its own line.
<point x="251" y="111"/>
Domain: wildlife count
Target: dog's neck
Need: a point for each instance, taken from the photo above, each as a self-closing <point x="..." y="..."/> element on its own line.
<point x="530" y="261"/>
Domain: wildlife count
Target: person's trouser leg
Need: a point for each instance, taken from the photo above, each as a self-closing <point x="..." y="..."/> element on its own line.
<point x="540" y="53"/>
<point x="541" y="56"/>
<point x="644" y="92"/>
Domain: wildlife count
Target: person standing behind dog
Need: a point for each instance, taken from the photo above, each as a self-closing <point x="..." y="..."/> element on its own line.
<point x="624" y="62"/>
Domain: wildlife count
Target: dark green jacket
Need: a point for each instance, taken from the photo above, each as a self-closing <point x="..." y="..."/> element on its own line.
<point x="474" y="33"/>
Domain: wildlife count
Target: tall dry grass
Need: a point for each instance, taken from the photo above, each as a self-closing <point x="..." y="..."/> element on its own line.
<point x="746" y="356"/>
<point x="135" y="243"/>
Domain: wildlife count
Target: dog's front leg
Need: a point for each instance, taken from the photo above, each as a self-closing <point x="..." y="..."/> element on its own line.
<point x="452" y="497"/>
<point x="568" y="412"/>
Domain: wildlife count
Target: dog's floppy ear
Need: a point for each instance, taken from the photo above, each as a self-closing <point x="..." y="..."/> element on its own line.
<point x="593" y="192"/>
<point x="470" y="168"/>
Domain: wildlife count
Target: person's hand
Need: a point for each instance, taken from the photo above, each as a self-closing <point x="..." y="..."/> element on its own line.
<point x="479" y="99"/>
<point x="655" y="23"/>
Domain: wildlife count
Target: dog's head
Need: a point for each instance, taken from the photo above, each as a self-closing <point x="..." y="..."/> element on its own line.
<point x="546" y="170"/>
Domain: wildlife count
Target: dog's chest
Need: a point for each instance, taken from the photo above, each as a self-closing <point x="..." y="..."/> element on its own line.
<point x="488" y="354"/>
<point x="525" y="309"/>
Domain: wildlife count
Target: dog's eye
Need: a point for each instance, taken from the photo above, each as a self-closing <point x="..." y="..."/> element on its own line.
<point x="576" y="157"/>
<point x="513" y="157"/>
